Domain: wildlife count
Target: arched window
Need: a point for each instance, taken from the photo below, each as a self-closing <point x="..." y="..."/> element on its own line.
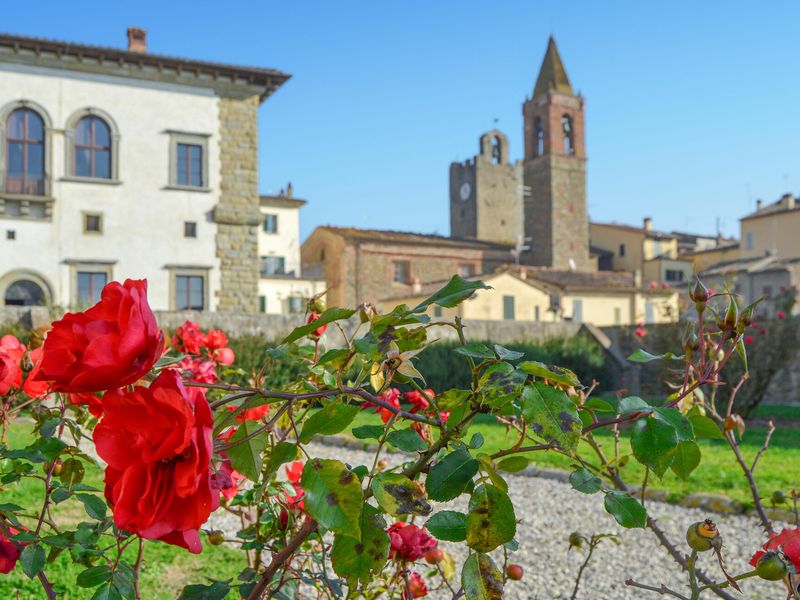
<point x="25" y="153"/>
<point x="537" y="125"/>
<point x="25" y="292"/>
<point x="566" y="126"/>
<point x="92" y="148"/>
<point x="497" y="151"/>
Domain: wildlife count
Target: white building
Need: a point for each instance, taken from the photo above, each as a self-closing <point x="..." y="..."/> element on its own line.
<point x="282" y="289"/>
<point x="121" y="163"/>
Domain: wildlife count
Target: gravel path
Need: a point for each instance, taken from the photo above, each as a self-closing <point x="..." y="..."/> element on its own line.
<point x="549" y="510"/>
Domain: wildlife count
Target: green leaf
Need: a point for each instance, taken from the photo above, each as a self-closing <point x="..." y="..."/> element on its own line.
<point x="333" y="495"/>
<point x="652" y="442"/>
<point x="476" y="441"/>
<point x="95" y="506"/>
<point x="398" y="495"/>
<point x="585" y="481"/>
<point x="329" y="316"/>
<point x="475" y="350"/>
<point x="216" y="591"/>
<point x="687" y="458"/>
<point x="633" y="404"/>
<point x="72" y="472"/>
<point x="281" y="453"/>
<point x="513" y="464"/>
<point x="336" y="356"/>
<point x="246" y="456"/>
<point x="107" y="592"/>
<point x="360" y="558"/>
<point x="550" y="372"/>
<point x="448" y="525"/>
<point x="705" y="428"/>
<point x="452" y="294"/>
<point x="32" y="560"/>
<point x="448" y="478"/>
<point x="643" y="356"/>
<point x="628" y="511"/>
<point x="551" y="415"/>
<point x="451" y="399"/>
<point x="94" y="576"/>
<point x="674" y="417"/>
<point x="491" y="521"/>
<point x="332" y="419"/>
<point x="368" y="432"/>
<point x="407" y="440"/>
<point x="481" y="579"/>
<point x="506" y="354"/>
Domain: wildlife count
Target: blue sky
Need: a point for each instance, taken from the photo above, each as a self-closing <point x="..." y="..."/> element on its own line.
<point x="692" y="108"/>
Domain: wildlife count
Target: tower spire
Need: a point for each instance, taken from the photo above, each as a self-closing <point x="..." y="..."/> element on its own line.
<point x="552" y="75"/>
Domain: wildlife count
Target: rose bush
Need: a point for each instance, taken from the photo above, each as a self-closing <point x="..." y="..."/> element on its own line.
<point x="178" y="442"/>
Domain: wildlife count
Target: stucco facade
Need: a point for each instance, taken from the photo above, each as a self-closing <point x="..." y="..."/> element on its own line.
<point x="282" y="286"/>
<point x="193" y="238"/>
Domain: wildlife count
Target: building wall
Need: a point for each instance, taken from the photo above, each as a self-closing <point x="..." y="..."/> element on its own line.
<point x="775" y="234"/>
<point x="610" y="238"/>
<point x="327" y="255"/>
<point x="286" y="241"/>
<point x="237" y="213"/>
<point x="276" y="292"/>
<point x="142" y="219"/>
<point x="655" y="271"/>
<point x="702" y="260"/>
<point x="653" y="248"/>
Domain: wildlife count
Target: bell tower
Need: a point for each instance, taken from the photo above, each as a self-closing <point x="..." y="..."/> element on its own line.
<point x="554" y="171"/>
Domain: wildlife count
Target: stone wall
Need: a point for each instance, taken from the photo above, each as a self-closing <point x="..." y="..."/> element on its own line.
<point x="237" y="215"/>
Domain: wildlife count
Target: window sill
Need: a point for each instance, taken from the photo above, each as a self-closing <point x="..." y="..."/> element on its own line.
<point x="10" y="196"/>
<point x="92" y="180"/>
<point x="186" y="188"/>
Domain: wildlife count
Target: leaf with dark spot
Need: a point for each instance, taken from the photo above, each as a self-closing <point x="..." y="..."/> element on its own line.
<point x="481" y="579"/>
<point x="398" y="495"/>
<point x="491" y="521"/>
<point x="334" y="505"/>
<point x="552" y="415"/>
<point x="359" y="558"/>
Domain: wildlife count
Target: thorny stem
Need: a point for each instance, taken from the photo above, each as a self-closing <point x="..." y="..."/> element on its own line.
<point x="658" y="590"/>
<point x="592" y="546"/>
<point x="137" y="567"/>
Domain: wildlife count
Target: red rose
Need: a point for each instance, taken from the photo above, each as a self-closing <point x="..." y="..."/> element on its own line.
<point x="780" y="315"/>
<point x="11" y="352"/>
<point x="90" y="401"/>
<point x="32" y="386"/>
<point x="112" y="344"/>
<point x="188" y="338"/>
<point x="157" y="442"/>
<point x="251" y="414"/>
<point x="294" y="472"/>
<point x="409" y="542"/>
<point x="319" y="330"/>
<point x="9" y="552"/>
<point x="640" y="332"/>
<point x="224" y="356"/>
<point x="418" y="401"/>
<point x="788" y="541"/>
<point x="748" y="339"/>
<point x="417" y="586"/>
<point x="216" y="339"/>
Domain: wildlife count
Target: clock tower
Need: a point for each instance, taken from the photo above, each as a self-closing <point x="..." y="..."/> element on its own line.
<point x="485" y="194"/>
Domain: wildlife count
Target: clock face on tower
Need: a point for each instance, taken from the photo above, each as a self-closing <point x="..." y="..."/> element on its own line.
<point x="464" y="191"/>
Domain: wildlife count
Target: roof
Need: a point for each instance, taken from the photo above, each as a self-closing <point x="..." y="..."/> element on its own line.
<point x="717" y="248"/>
<point x="570" y="280"/>
<point x="408" y="237"/>
<point x="787" y="203"/>
<point x="597" y="251"/>
<point x="281" y="201"/>
<point x="42" y="51"/>
<point x="759" y="264"/>
<point x="651" y="233"/>
<point x="552" y="75"/>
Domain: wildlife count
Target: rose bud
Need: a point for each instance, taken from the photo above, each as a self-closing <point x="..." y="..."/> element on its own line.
<point x="434" y="556"/>
<point x="771" y="567"/>
<point x="216" y="537"/>
<point x="703" y="536"/>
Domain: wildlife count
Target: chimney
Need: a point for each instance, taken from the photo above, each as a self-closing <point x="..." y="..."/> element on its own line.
<point x="759" y="204"/>
<point x="791" y="202"/>
<point x="137" y="39"/>
<point x="289" y="190"/>
<point x="648" y="223"/>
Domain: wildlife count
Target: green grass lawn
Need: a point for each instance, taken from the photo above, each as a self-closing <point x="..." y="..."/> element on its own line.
<point x="718" y="472"/>
<point x="166" y="568"/>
